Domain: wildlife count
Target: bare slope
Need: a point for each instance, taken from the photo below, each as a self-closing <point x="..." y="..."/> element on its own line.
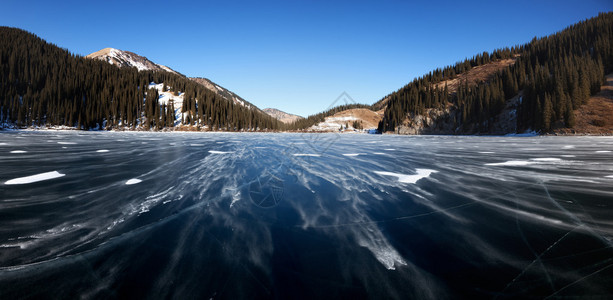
<point x="595" y="117"/>
<point x="281" y="115"/>
<point x="476" y="74"/>
<point x="472" y="77"/>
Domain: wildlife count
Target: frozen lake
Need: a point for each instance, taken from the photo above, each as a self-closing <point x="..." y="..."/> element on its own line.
<point x="245" y="215"/>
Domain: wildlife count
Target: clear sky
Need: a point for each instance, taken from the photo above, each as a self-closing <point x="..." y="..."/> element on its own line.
<point x="298" y="56"/>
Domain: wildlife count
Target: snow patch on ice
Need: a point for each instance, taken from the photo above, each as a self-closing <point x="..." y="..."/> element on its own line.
<point x="487" y="152"/>
<point x="307" y="154"/>
<point x="546" y="159"/>
<point x="404" y="178"/>
<point x="511" y="163"/>
<point x="220" y="152"/>
<point x="603" y="151"/>
<point x="609" y="176"/>
<point x="35" y="178"/>
<point x="514" y="163"/>
<point x="133" y="181"/>
<point x="18" y="151"/>
<point x="102" y="151"/>
<point x="352" y="154"/>
<point x="67" y="143"/>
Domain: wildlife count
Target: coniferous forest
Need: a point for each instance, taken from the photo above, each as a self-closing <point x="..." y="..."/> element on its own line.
<point x="553" y="76"/>
<point x="44" y="85"/>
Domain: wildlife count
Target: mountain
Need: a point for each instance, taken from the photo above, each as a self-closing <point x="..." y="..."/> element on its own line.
<point x="535" y="87"/>
<point x="128" y="59"/>
<point x="42" y="85"/>
<point x="282" y="116"/>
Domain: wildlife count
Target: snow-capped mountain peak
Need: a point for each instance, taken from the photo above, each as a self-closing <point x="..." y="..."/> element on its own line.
<point x="123" y="58"/>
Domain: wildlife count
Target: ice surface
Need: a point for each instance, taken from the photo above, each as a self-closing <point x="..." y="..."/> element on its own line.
<point x="525" y="134"/>
<point x="133" y="181"/>
<point x="404" y="178"/>
<point x="35" y="178"/>
<point x="363" y="223"/>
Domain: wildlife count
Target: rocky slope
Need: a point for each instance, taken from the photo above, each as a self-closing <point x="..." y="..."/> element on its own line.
<point x="596" y="116"/>
<point x="281" y="115"/>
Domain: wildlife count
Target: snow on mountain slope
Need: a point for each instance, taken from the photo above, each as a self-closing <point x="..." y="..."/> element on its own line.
<point x="166" y="97"/>
<point x="128" y="59"/>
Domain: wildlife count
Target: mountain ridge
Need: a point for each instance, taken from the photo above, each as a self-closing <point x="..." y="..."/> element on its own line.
<point x="124" y="58"/>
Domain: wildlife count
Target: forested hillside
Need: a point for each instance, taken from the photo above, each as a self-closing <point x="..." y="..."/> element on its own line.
<point x="550" y="78"/>
<point x="44" y="85"/>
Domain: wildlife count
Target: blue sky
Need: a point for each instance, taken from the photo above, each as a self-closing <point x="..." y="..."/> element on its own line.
<point x="298" y="56"/>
